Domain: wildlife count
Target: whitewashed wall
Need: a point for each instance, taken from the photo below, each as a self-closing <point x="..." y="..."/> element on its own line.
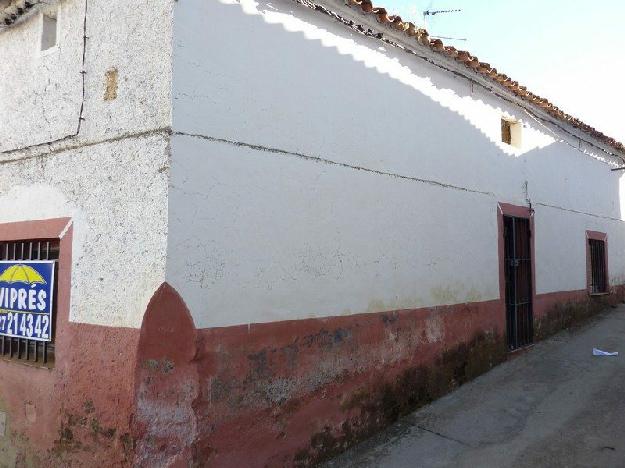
<point x="318" y="172"/>
<point x="112" y="178"/>
<point x="41" y="91"/>
<point x="256" y="236"/>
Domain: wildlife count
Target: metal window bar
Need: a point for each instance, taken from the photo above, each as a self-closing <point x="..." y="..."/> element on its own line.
<point x="598" y="276"/>
<point x="40" y="353"/>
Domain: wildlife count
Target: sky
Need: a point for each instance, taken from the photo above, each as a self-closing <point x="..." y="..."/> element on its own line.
<point x="571" y="52"/>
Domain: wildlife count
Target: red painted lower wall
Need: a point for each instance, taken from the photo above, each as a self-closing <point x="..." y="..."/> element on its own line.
<point x="78" y="412"/>
<point x="303" y="389"/>
<point x="294" y="393"/>
<point x="276" y="394"/>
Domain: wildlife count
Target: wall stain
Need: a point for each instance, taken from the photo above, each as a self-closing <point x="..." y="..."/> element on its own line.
<point x="570" y="314"/>
<point x="445" y="294"/>
<point x="376" y="407"/>
<point x="164" y="365"/>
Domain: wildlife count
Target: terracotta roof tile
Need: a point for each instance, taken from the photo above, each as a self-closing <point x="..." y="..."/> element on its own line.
<point x="421" y="37"/>
<point x="451" y="52"/>
<point x="437" y="45"/>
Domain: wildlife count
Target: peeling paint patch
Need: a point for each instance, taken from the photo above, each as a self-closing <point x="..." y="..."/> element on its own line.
<point x="110" y="90"/>
<point x="434" y="329"/>
<point x="30" y="411"/>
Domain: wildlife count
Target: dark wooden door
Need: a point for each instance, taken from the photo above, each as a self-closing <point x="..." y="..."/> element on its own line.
<point x="518" y="274"/>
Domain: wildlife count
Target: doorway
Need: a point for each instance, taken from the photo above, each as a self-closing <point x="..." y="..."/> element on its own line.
<point x="518" y="282"/>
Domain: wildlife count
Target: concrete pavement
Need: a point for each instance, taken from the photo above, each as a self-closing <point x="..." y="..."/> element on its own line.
<point x="554" y="405"/>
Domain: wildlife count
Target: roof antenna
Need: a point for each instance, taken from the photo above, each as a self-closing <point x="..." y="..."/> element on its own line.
<point x="436" y="12"/>
<point x="449" y="38"/>
<point x="429" y="12"/>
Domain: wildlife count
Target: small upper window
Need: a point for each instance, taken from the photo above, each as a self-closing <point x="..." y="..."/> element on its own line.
<point x="49" y="30"/>
<point x="511" y="132"/>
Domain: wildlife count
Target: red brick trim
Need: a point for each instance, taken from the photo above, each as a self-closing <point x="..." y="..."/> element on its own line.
<point x="602" y="236"/>
<point x="596" y="235"/>
<point x="39" y="229"/>
<point x="519" y="211"/>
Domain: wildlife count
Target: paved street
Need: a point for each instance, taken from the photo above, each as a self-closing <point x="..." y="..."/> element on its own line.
<point x="554" y="405"/>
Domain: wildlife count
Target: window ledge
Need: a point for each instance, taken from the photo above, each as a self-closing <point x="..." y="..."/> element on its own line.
<point x="50" y="51"/>
<point x="599" y="294"/>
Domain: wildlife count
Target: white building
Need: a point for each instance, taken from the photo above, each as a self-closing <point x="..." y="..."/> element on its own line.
<point x="278" y="225"/>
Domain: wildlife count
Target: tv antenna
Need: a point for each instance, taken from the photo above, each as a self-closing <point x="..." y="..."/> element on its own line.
<point x="436" y="12"/>
<point x="449" y="38"/>
<point x="429" y="12"/>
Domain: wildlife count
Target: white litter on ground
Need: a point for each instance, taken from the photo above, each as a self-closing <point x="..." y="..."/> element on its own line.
<point x="598" y="352"/>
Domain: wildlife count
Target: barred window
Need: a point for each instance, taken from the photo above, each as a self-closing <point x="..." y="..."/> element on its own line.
<point x="38" y="353"/>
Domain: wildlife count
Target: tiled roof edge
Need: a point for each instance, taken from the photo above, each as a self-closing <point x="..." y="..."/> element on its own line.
<point x="410" y="33"/>
<point x="17" y="11"/>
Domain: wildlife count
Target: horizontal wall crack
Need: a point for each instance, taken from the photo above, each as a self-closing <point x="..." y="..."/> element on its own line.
<point x="334" y="163"/>
<point x="570" y="210"/>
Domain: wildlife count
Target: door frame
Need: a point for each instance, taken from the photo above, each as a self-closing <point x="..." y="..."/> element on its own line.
<point x="517" y="211"/>
<point x="602" y="236"/>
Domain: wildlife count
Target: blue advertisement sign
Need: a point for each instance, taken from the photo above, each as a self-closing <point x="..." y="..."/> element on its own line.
<point x="26" y="288"/>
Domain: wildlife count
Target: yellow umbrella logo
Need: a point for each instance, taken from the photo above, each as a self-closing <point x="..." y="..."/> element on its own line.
<point x="21" y="274"/>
